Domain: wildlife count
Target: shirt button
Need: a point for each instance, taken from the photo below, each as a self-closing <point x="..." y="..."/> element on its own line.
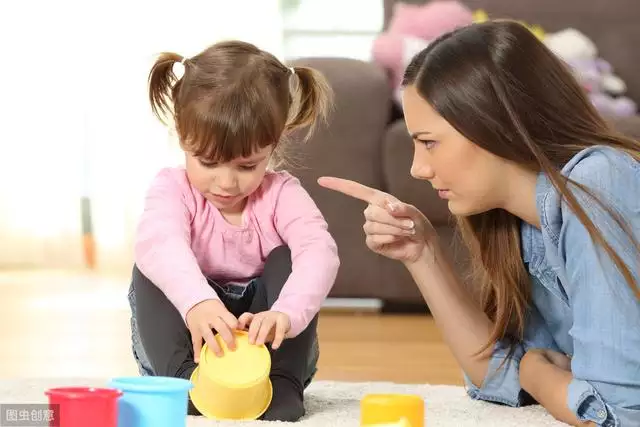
<point x="602" y="414"/>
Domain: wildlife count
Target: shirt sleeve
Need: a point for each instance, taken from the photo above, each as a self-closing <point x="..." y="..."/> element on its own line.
<point x="162" y="247"/>
<point x="606" y="313"/>
<point x="502" y="382"/>
<point x="314" y="255"/>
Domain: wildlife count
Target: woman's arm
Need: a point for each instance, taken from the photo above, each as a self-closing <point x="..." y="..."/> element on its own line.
<point x="464" y="326"/>
<point x="547" y="381"/>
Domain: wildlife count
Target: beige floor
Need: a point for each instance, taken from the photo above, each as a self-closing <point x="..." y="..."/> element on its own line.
<point x="61" y="324"/>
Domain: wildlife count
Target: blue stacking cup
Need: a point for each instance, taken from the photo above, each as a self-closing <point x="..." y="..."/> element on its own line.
<point x="151" y="401"/>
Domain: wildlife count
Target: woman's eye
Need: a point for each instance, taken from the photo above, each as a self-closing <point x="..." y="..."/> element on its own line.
<point x="427" y="142"/>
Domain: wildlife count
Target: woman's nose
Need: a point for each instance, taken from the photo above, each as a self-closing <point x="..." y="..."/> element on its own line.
<point x="421" y="168"/>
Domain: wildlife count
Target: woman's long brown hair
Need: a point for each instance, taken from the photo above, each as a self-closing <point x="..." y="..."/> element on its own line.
<point x="501" y="88"/>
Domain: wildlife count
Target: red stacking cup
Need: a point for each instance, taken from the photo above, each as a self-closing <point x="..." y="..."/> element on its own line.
<point x="83" y="406"/>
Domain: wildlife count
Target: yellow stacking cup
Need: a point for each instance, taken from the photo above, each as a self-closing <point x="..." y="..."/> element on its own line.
<point x="392" y="410"/>
<point x="235" y="386"/>
<point x="402" y="423"/>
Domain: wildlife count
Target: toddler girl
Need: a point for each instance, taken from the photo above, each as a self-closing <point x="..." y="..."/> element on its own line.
<point x="226" y="242"/>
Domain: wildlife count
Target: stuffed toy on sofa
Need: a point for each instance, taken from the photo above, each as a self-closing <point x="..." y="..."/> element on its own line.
<point x="605" y="89"/>
<point x="410" y="30"/>
<point x="413" y="27"/>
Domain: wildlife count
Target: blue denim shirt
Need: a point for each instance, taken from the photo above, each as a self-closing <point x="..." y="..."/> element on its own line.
<point x="581" y="304"/>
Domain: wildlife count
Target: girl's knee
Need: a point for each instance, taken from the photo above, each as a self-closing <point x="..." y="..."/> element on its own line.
<point x="138" y="278"/>
<point x="281" y="255"/>
<point x="276" y="271"/>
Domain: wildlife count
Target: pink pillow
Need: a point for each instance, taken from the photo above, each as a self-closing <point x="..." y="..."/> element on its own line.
<point x="409" y="24"/>
<point x="430" y="20"/>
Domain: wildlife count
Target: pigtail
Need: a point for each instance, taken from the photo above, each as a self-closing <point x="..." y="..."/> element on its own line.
<point x="311" y="99"/>
<point x="164" y="85"/>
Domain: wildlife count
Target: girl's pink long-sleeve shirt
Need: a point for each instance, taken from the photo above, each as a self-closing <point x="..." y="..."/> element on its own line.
<point x="182" y="239"/>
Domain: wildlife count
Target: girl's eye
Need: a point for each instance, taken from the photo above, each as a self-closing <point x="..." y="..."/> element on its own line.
<point x="248" y="167"/>
<point x="206" y="164"/>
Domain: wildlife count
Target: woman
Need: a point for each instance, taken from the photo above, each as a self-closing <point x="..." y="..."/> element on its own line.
<point x="547" y="199"/>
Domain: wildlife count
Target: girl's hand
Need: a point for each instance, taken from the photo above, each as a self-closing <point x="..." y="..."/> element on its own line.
<point x="393" y="229"/>
<point x="205" y="316"/>
<point x="266" y="326"/>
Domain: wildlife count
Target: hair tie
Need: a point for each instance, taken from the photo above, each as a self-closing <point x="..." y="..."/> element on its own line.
<point x="178" y="68"/>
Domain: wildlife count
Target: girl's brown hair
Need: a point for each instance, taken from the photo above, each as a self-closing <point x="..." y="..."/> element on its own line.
<point x="501" y="88"/>
<point x="234" y="99"/>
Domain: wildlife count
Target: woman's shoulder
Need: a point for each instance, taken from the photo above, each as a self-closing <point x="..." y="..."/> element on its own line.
<point x="609" y="174"/>
<point x="604" y="170"/>
<point x="602" y="166"/>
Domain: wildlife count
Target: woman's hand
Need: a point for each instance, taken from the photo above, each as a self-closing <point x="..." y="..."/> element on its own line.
<point x="393" y="229"/>
<point x="208" y="315"/>
<point x="266" y="326"/>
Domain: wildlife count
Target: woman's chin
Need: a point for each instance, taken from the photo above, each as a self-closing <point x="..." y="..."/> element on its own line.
<point x="457" y="208"/>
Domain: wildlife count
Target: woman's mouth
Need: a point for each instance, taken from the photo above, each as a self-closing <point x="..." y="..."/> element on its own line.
<point x="444" y="193"/>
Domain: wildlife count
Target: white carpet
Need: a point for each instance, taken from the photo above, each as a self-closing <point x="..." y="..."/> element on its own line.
<point x="338" y="404"/>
